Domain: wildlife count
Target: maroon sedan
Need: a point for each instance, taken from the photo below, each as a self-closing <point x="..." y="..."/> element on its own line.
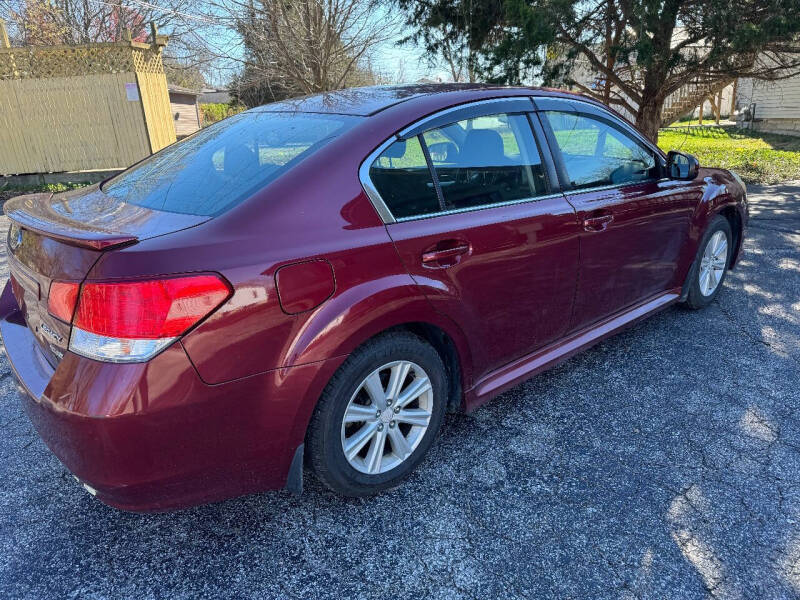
<point x="319" y="281"/>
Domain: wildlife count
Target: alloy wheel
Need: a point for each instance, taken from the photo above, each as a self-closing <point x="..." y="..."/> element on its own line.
<point x="387" y="417"/>
<point x="713" y="262"/>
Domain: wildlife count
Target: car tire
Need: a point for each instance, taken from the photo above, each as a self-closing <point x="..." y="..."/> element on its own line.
<point x="400" y="362"/>
<point x="710" y="265"/>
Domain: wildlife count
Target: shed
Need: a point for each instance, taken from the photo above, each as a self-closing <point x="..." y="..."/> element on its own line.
<point x="82" y="107"/>
<point x="185" y="111"/>
<point x="215" y="96"/>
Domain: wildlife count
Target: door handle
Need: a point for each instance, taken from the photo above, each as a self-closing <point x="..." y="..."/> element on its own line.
<point x="441" y="183"/>
<point x="445" y="254"/>
<point x="597" y="222"/>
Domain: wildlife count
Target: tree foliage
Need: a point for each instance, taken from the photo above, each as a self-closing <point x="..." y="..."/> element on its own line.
<point x="641" y="50"/>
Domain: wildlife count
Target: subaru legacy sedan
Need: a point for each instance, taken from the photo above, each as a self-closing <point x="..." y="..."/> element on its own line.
<point x="315" y="283"/>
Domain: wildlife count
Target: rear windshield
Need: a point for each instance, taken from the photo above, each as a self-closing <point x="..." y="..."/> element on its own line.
<point x="218" y="167"/>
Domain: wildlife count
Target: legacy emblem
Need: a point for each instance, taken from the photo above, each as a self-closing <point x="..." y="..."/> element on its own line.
<point x="51" y="333"/>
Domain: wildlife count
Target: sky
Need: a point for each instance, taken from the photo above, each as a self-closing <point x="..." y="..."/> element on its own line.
<point x="387" y="56"/>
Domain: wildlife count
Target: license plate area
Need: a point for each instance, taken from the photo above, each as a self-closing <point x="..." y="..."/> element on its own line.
<point x="22" y="282"/>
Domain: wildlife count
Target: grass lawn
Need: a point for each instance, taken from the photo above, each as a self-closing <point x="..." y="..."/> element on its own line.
<point x="9" y="191"/>
<point x="756" y="157"/>
<point x="706" y="121"/>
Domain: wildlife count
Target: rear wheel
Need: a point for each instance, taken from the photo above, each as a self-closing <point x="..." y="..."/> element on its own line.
<point x="379" y="415"/>
<point x="711" y="264"/>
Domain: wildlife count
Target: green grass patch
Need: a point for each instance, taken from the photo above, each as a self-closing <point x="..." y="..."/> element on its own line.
<point x="9" y="191"/>
<point x="756" y="157"/>
<point x="46" y="187"/>
<point x="707" y="120"/>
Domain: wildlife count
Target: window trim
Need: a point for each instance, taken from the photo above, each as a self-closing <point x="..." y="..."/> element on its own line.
<point x="437" y="186"/>
<point x="597" y="115"/>
<point x="369" y="187"/>
<point x="493" y="106"/>
<point x="476" y="109"/>
<point x="455" y="211"/>
<point x="543" y="147"/>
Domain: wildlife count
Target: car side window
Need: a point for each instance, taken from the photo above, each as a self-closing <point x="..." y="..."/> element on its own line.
<point x="596" y="154"/>
<point x="486" y="160"/>
<point x="402" y="178"/>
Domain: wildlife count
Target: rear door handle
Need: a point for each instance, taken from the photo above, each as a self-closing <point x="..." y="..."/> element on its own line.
<point x="597" y="222"/>
<point x="445" y="254"/>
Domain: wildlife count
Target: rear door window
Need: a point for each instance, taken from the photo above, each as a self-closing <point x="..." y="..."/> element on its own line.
<point x="402" y="178"/>
<point x="487" y="160"/>
<point x="478" y="162"/>
<point x="215" y="169"/>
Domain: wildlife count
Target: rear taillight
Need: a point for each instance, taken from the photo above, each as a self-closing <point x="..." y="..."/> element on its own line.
<point x="62" y="298"/>
<point x="131" y="321"/>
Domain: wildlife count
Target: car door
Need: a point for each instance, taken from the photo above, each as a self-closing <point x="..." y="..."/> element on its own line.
<point x="634" y="221"/>
<point x="478" y="227"/>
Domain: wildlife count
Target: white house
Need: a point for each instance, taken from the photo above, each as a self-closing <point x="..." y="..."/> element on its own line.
<point x="777" y="105"/>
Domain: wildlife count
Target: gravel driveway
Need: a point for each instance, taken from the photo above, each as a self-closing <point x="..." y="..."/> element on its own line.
<point x="663" y="463"/>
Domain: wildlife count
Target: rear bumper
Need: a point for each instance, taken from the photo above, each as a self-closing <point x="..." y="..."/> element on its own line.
<point x="154" y="436"/>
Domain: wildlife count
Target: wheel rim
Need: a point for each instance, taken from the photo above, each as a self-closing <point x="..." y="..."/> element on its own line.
<point x="387" y="417"/>
<point x="713" y="262"/>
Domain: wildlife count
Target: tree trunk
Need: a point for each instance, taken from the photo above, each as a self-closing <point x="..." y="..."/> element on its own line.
<point x="648" y="119"/>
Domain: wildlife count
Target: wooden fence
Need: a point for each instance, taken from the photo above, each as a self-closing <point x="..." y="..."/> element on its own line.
<point x="76" y="108"/>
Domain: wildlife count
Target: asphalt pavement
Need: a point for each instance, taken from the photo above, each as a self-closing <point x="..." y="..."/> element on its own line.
<point x="662" y="463"/>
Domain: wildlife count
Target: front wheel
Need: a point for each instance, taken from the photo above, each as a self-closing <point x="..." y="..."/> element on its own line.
<point x="711" y="264"/>
<point x="379" y="415"/>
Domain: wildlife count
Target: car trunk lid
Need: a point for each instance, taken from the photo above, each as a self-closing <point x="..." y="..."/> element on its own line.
<point x="60" y="237"/>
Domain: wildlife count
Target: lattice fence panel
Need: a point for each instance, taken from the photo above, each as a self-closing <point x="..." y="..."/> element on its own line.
<point x="147" y="61"/>
<point x="64" y="61"/>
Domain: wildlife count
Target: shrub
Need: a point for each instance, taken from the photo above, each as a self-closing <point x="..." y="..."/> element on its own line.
<point x="214" y="112"/>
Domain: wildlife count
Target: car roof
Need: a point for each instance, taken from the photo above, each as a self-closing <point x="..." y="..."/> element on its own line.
<point x="365" y="101"/>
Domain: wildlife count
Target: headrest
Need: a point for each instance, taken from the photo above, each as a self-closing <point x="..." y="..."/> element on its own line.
<point x="482" y="148"/>
<point x="396" y="150"/>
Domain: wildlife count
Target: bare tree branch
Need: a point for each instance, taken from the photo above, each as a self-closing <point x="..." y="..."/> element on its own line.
<point x="303" y="46"/>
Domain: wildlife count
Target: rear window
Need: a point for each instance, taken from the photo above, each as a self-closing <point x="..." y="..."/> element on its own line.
<point x="218" y="167"/>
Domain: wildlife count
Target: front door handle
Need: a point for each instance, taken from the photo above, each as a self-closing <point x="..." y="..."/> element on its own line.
<point x="441" y="183"/>
<point x="445" y="254"/>
<point x="597" y="222"/>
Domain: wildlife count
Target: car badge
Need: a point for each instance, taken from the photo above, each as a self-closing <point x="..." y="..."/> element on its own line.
<point x="51" y="333"/>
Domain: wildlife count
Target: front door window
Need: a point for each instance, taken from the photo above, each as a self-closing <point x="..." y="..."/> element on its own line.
<point x="596" y="154"/>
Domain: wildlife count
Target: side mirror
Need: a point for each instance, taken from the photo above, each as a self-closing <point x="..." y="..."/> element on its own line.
<point x="682" y="166"/>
